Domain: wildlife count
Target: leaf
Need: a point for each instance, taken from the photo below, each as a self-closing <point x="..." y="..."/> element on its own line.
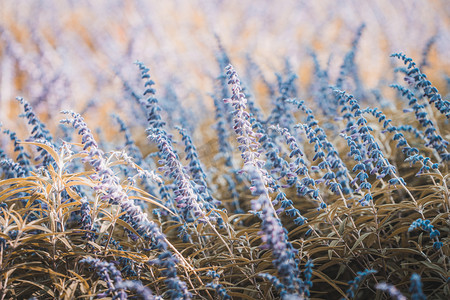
<point x="72" y="204"/>
<point x="72" y="194"/>
<point x="361" y="239"/>
<point x="79" y="181"/>
<point x="77" y="155"/>
<point x="23" y="181"/>
<point x="81" y="279"/>
<point x="35" y="227"/>
<point x="104" y="227"/>
<point x="342" y="226"/>
<point x="200" y="227"/>
<point x="41" y="270"/>
<point x="41" y="286"/>
<point x="435" y="267"/>
<point x="238" y="295"/>
<point x="127" y="226"/>
<point x="69" y="293"/>
<point x="40" y="236"/>
<point x="65" y="242"/>
<point x="316" y="249"/>
<point x="154" y="203"/>
<point x="95" y="245"/>
<point x="248" y="231"/>
<point x="222" y="214"/>
<point x="47" y="148"/>
<point x="13" y="191"/>
<point x="333" y="244"/>
<point x="329" y="281"/>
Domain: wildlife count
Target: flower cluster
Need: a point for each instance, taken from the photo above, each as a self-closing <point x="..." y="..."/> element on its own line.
<point x="275" y="238"/>
<point x="196" y="170"/>
<point x="177" y="288"/>
<point x="308" y="275"/>
<point x="420" y="81"/>
<point x="110" y="275"/>
<point x="320" y="88"/>
<point x="426" y="226"/>
<point x="135" y="153"/>
<point x="187" y="199"/>
<point x="136" y="286"/>
<point x="416" y="288"/>
<point x="116" y="285"/>
<point x="251" y="148"/>
<point x="128" y="265"/>
<point x="176" y="113"/>
<point x="412" y="153"/>
<point x="247" y="138"/>
<point x="337" y="175"/>
<point x="113" y="192"/>
<point x="349" y="67"/>
<point x="255" y="112"/>
<point x="432" y="137"/>
<point x="11" y="169"/>
<point x="281" y="115"/>
<point x="233" y="191"/>
<point x="86" y="219"/>
<point x="391" y="290"/>
<point x="275" y="164"/>
<point x="356" y="282"/>
<point x="133" y="150"/>
<point x="364" y="149"/>
<point x="188" y="202"/>
<point x="19" y="168"/>
<point x="222" y="88"/>
<point x="217" y="286"/>
<point x="38" y="132"/>
<point x="23" y="158"/>
<point x="151" y="104"/>
<point x="426" y="51"/>
<point x="298" y="167"/>
<point x="272" y="232"/>
<point x="222" y="133"/>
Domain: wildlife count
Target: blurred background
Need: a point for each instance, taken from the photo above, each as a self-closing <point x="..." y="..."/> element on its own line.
<point x="72" y="54"/>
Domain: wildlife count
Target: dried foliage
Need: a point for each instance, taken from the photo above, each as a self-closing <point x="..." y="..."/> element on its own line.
<point x="325" y="190"/>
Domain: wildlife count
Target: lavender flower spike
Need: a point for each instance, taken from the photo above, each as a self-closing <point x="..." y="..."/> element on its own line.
<point x="113" y="192"/>
<point x="108" y="273"/>
<point x="356" y="282"/>
<point x="391" y="290"/>
<point x="143" y="291"/>
<point x="273" y="234"/>
<point x="186" y="198"/>
<point x="247" y="138"/>
<point x="275" y="238"/>
<point x="416" y="288"/>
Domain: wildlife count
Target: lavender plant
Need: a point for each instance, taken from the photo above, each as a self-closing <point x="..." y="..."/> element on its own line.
<point x="419" y="80"/>
<point x="273" y="233"/>
<point x="111" y="191"/>
<point x="257" y="194"/>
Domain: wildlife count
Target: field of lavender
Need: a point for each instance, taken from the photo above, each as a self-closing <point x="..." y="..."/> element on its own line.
<point x="224" y="149"/>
